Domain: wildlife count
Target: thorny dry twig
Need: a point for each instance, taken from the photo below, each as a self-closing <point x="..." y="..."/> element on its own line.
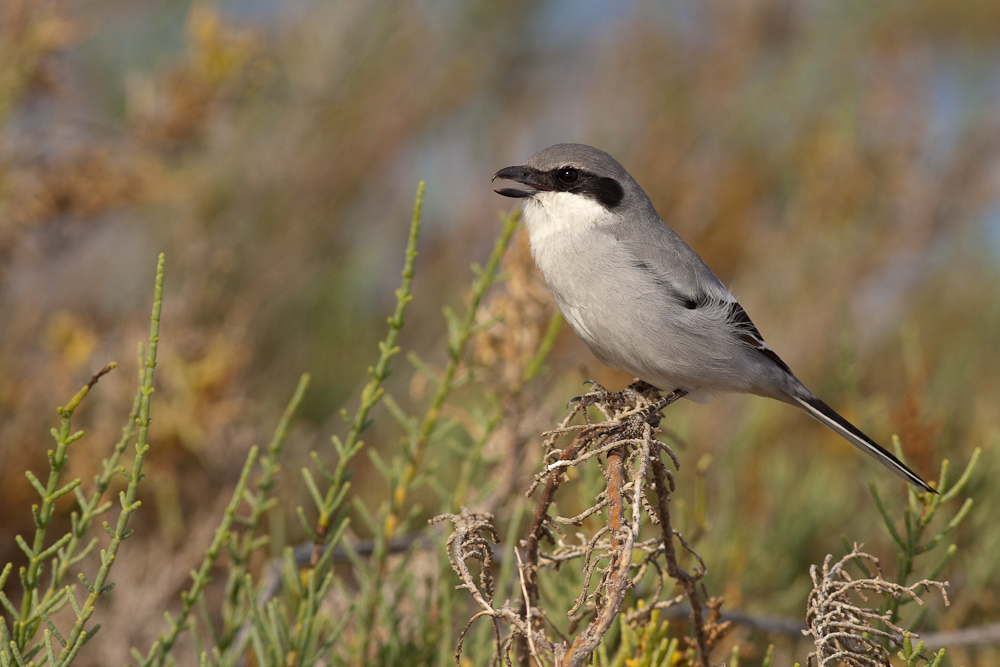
<point x="466" y="543"/>
<point x="632" y="456"/>
<point x="844" y="631"/>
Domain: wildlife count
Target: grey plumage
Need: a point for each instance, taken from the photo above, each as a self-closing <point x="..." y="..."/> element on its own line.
<point x="641" y="299"/>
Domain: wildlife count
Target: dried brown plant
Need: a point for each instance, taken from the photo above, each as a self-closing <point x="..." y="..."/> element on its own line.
<point x="638" y="484"/>
<point x="843" y="624"/>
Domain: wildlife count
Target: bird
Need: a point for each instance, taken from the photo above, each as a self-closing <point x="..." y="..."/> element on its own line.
<point x="641" y="299"/>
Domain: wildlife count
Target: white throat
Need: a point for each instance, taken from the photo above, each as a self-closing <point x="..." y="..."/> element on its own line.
<point x="549" y="216"/>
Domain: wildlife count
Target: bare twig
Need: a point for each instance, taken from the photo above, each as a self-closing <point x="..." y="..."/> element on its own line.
<point x="535" y="532"/>
<point x="623" y="537"/>
<point x="626" y="441"/>
<point x="465" y="543"/>
<point x="689" y="582"/>
<point x="843" y="630"/>
<point x="524" y="592"/>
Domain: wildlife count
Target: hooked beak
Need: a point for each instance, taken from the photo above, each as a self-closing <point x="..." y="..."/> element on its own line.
<point x="525" y="176"/>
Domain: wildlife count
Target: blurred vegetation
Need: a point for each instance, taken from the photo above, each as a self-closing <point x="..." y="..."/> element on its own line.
<point x="835" y="163"/>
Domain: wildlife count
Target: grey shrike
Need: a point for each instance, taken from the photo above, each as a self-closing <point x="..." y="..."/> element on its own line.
<point x="641" y="299"/>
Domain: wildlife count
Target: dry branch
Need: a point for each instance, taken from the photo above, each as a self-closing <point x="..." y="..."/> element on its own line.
<point x="844" y="628"/>
<point x="625" y="443"/>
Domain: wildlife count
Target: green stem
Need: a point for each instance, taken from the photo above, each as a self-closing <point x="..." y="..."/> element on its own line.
<point x="259" y="503"/>
<point x="458" y="340"/>
<point x="373" y="391"/>
<point x="77" y="637"/>
<point x="165" y="642"/>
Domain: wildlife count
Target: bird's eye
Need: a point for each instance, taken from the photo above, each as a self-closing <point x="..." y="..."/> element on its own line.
<point x="568" y="175"/>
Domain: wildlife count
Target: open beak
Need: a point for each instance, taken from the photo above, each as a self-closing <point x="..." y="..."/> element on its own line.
<point x="523" y="175"/>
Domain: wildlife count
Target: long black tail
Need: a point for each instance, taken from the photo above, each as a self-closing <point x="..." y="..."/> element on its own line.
<point x="823" y="413"/>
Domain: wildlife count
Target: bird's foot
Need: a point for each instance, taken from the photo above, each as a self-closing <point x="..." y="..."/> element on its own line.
<point x="617" y="400"/>
<point x="597" y="395"/>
